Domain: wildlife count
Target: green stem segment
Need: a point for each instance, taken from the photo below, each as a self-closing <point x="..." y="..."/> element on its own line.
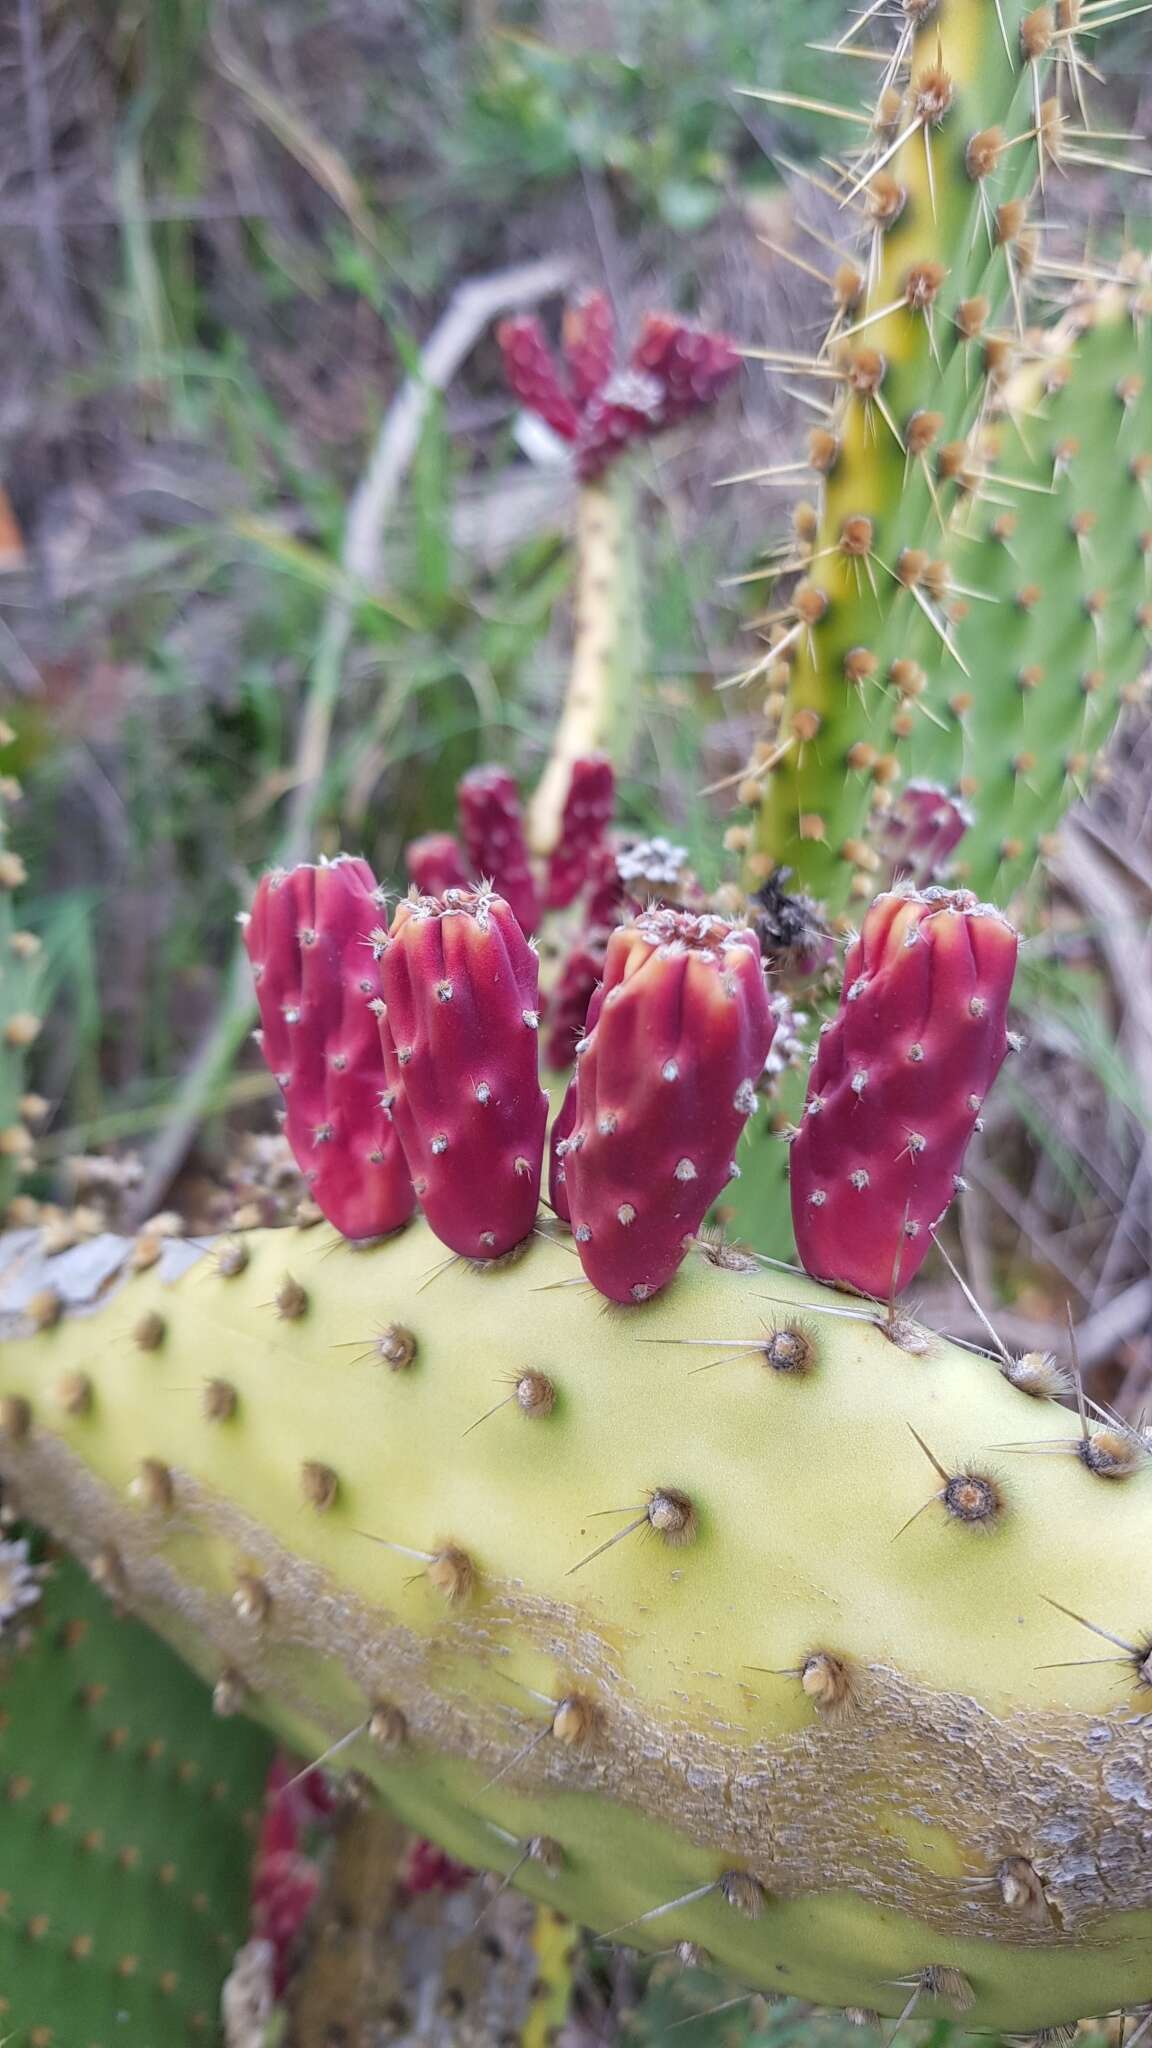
<point x="912" y="382"/>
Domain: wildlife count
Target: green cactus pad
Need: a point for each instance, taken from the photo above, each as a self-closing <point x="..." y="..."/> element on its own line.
<point x="821" y="1681"/>
<point x="880" y="497"/>
<point x="1059" y="551"/>
<point x="125" y="1818"/>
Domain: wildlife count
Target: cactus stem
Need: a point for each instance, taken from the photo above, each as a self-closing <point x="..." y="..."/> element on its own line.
<point x="589" y="711"/>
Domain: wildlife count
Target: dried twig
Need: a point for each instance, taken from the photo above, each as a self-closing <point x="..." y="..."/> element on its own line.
<point x="470" y="311"/>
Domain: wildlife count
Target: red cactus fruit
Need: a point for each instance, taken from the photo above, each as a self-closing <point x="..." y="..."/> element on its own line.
<point x="608" y="895"/>
<point x="313" y="939"/>
<point x="665" y="1080"/>
<point x="285" y="1880"/>
<point x="492" y="828"/>
<point x="568" y="1003"/>
<point x="923" y="828"/>
<point x="458" y="1026"/>
<point x="674" y="370"/>
<point x="589" y="339"/>
<point x="435" y="863"/>
<point x="628" y="409"/>
<point x="532" y="374"/>
<point x="562" y="1128"/>
<point x="588" y="811"/>
<point x="898" y="1084"/>
<point x="691" y="366"/>
<point x="428" y="1869"/>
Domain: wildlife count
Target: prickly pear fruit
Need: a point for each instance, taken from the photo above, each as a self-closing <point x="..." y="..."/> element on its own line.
<point x="532" y="374"/>
<point x="587" y="814"/>
<point x="691" y="366"/>
<point x="564" y="1122"/>
<point x="459" y="1026"/>
<point x="313" y="938"/>
<point x="575" y="985"/>
<point x="665" y="1081"/>
<point x="899" y="1079"/>
<point x="673" y="370"/>
<point x="492" y="828"/>
<point x="436" y="863"/>
<point x="921" y="831"/>
<point x="589" y="341"/>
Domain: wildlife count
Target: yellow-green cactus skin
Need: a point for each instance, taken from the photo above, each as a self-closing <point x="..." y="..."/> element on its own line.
<point x="831" y="1704"/>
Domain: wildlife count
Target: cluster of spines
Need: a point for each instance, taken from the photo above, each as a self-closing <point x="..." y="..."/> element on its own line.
<point x="20" y="1019"/>
<point x="916" y="359"/>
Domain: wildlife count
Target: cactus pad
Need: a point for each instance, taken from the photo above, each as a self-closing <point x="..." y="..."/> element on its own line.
<point x="127" y="1830"/>
<point x="810" y="1709"/>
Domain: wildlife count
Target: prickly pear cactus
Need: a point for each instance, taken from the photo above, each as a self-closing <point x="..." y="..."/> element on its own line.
<point x="900" y="1077"/>
<point x="127" y="1833"/>
<point x="673" y="371"/>
<point x="898" y="652"/>
<point x="1055" y="636"/>
<point x="777" y="1628"/>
